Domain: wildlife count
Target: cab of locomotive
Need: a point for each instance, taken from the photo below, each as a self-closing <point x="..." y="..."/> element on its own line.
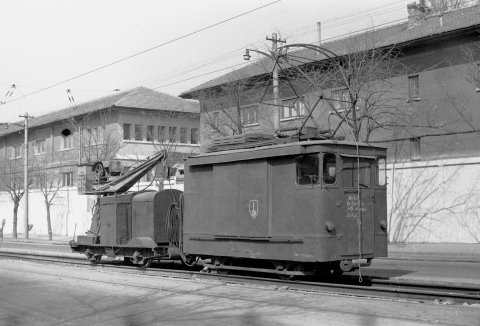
<point x="347" y="191"/>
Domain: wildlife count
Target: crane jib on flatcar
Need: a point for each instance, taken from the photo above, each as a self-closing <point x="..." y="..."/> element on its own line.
<point x="287" y="208"/>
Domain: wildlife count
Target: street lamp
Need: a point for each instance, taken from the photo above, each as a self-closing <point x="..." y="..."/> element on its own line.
<point x="25" y="168"/>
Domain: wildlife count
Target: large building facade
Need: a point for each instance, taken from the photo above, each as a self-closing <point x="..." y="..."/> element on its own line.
<point x="413" y="87"/>
<point x="118" y="130"/>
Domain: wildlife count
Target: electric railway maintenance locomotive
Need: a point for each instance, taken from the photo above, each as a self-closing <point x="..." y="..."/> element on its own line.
<point x="292" y="208"/>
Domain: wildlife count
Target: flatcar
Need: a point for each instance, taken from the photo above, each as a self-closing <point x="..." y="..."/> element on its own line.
<point x="292" y="209"/>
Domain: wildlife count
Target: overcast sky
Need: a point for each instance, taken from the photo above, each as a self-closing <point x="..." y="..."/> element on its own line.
<point x="46" y="42"/>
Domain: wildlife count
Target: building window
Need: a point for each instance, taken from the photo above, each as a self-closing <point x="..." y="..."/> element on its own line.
<point x="307" y="169"/>
<point x="413" y="88"/>
<point x="194" y="136"/>
<point x="161" y="134"/>
<point x="293" y="109"/>
<point x="249" y="115"/>
<point x="67" y="179"/>
<point x="126" y="131"/>
<point x="138" y="132"/>
<point x="67" y="142"/>
<point x="150" y="133"/>
<point x="183" y="135"/>
<point x="340" y="101"/>
<point x="16" y="152"/>
<point x="172" y="134"/>
<point x="415" y="148"/>
<point x="39" y="146"/>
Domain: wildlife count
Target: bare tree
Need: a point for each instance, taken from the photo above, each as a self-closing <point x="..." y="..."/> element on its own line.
<point x="100" y="143"/>
<point x="364" y="100"/>
<point x="169" y="139"/>
<point x="225" y="108"/>
<point x="48" y="179"/>
<point x="12" y="181"/>
<point x="441" y="6"/>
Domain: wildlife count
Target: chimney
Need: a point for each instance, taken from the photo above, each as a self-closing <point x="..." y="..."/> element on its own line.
<point x="417" y="13"/>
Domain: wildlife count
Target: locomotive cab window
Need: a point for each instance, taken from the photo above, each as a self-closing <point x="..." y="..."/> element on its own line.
<point x="329" y="168"/>
<point x="381" y="172"/>
<point x="307" y="169"/>
<point x="356" y="172"/>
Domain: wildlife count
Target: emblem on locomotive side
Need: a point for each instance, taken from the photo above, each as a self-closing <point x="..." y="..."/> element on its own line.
<point x="253" y="208"/>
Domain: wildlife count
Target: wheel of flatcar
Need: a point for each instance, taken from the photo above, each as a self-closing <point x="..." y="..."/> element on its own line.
<point x="95" y="259"/>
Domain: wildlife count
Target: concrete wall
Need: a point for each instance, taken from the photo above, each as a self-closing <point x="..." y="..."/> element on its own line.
<point x="69" y="211"/>
<point x="434" y="201"/>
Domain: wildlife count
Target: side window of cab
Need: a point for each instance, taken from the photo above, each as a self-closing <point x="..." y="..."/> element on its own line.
<point x="307" y="169"/>
<point x="329" y="168"/>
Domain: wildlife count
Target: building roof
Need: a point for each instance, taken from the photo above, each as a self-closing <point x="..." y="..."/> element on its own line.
<point x="139" y="98"/>
<point x="399" y="35"/>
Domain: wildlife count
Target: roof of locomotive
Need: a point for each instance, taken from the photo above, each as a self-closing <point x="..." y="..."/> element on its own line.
<point x="294" y="148"/>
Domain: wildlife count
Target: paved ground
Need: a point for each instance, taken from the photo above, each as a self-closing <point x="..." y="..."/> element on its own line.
<point x="39" y="294"/>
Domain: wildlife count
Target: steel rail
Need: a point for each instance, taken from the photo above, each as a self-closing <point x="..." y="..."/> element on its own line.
<point x="448" y="293"/>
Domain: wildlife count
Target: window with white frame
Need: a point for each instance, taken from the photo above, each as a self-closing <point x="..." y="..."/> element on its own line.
<point x="67" y="142"/>
<point x="340" y="101"/>
<point x="194" y="136"/>
<point x="415" y="148"/>
<point x="138" y="132"/>
<point x="249" y="115"/>
<point x="39" y="146"/>
<point x="67" y="179"/>
<point x="126" y="131"/>
<point x="150" y="133"/>
<point x="292" y="109"/>
<point x="172" y="134"/>
<point x="413" y="88"/>
<point x="161" y="134"/>
<point x="16" y="152"/>
<point x="183" y="135"/>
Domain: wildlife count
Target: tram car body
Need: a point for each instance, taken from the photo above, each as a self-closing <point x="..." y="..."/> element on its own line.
<point x="290" y="209"/>
<point x="293" y="208"/>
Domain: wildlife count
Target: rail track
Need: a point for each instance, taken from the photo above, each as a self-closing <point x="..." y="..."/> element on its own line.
<point x="432" y="292"/>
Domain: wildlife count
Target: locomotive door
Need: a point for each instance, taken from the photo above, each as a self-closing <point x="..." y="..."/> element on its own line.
<point x="358" y="221"/>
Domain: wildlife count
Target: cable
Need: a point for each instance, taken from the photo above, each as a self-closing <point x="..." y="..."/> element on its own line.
<point x="145" y="51"/>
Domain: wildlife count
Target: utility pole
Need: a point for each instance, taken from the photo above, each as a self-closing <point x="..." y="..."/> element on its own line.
<point x="276" y="92"/>
<point x="25" y="172"/>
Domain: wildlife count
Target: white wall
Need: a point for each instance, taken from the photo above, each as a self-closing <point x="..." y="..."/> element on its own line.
<point x="435" y="201"/>
<point x="69" y="211"/>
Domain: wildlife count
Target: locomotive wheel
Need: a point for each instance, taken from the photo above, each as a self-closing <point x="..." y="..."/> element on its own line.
<point x="145" y="263"/>
<point x="189" y="260"/>
<point x="293" y="267"/>
<point x="225" y="262"/>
